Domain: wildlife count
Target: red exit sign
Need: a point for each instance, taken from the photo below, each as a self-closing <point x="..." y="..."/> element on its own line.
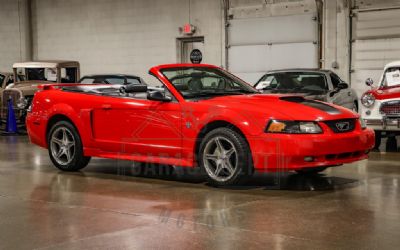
<point x="188" y="29"/>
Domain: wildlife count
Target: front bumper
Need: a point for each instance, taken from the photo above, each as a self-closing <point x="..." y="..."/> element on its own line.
<point x="282" y="152"/>
<point x="384" y="124"/>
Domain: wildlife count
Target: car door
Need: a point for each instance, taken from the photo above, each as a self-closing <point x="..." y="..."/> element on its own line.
<point x="138" y="126"/>
<point x="341" y="97"/>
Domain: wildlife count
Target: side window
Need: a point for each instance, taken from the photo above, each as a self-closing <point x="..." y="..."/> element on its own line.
<point x="1" y="80"/>
<point x="210" y="82"/>
<point x="267" y="82"/>
<point x="87" y="80"/>
<point x="133" y="80"/>
<point x="335" y="80"/>
<point x="10" y="80"/>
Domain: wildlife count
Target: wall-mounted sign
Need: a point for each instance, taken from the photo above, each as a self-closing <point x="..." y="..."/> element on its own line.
<point x="188" y="29"/>
<point x="196" y="56"/>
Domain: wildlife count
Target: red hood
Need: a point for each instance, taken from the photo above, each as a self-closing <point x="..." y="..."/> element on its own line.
<point x="385" y="93"/>
<point x="276" y="106"/>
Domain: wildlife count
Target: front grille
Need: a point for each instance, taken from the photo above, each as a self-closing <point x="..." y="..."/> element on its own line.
<point x="342" y="126"/>
<point x="390" y="108"/>
<point x="344" y="156"/>
<point x="9" y="93"/>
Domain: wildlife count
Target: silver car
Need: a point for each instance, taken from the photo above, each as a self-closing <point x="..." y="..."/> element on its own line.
<point x="323" y="85"/>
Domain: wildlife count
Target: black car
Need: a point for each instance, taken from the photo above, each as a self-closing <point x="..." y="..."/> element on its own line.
<point x="116" y="79"/>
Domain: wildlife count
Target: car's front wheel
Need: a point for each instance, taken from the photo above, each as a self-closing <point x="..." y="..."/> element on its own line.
<point x="65" y="147"/>
<point x="225" y="157"/>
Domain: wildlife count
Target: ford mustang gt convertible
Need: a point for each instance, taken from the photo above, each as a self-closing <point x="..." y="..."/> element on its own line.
<point x="201" y="116"/>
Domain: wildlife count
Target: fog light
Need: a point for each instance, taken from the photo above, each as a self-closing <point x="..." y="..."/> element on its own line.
<point x="368" y="112"/>
<point x="309" y="159"/>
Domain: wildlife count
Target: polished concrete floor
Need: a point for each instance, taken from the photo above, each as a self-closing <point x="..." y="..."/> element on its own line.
<point x="107" y="206"/>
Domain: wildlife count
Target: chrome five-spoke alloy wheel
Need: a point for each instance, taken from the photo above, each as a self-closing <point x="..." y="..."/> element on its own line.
<point x="220" y="158"/>
<point x="63" y="146"/>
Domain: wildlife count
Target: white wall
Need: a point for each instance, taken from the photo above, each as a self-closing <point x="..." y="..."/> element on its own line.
<point x="123" y="36"/>
<point x="14" y="39"/>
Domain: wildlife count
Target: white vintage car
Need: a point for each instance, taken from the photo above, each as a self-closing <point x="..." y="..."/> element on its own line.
<point x="381" y="104"/>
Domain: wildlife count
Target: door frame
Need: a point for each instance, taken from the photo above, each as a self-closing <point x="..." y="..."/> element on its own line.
<point x="180" y="45"/>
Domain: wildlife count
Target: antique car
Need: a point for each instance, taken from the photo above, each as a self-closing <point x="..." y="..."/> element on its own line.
<point x="117" y="79"/>
<point x="381" y="104"/>
<point x="7" y="80"/>
<point x="202" y="117"/>
<point x="322" y="85"/>
<point x="36" y="73"/>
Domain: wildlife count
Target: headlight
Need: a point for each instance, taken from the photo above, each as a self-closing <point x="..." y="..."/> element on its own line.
<point x="22" y="103"/>
<point x="362" y="123"/>
<point x="368" y="100"/>
<point x="293" y="127"/>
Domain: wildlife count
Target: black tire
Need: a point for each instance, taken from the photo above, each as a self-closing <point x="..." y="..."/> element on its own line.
<point x="378" y="139"/>
<point x="242" y="157"/>
<point x="77" y="161"/>
<point x="355" y="107"/>
<point x="311" y="171"/>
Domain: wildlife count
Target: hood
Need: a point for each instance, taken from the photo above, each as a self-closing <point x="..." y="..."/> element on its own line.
<point x="282" y="107"/>
<point x="386" y="93"/>
<point x="314" y="95"/>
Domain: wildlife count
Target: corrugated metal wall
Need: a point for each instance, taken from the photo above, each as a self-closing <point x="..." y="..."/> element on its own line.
<point x="376" y="41"/>
<point x="266" y="36"/>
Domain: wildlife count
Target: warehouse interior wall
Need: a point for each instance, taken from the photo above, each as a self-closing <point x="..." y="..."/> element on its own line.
<point x="14" y="33"/>
<point x="124" y="36"/>
<point x="129" y="36"/>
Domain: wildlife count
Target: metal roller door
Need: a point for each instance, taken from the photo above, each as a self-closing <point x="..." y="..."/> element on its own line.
<point x="376" y="42"/>
<point x="260" y="44"/>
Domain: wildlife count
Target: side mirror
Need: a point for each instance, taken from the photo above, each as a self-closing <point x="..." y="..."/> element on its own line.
<point x="369" y="82"/>
<point x="133" y="88"/>
<point x="343" y="85"/>
<point x="158" y="96"/>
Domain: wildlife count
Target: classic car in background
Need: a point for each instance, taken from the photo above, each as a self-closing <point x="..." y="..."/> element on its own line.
<point x="195" y="120"/>
<point x="381" y="104"/>
<point x="7" y="80"/>
<point x="322" y="85"/>
<point x="35" y="73"/>
<point x="117" y="79"/>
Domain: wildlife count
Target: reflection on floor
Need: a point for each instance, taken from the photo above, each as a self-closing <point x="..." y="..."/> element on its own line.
<point x="111" y="205"/>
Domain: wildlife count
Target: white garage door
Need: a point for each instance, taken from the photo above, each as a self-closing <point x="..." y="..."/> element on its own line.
<point x="257" y="45"/>
<point x="376" y="42"/>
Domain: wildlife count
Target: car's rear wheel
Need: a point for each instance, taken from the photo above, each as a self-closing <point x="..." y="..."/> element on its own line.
<point x="311" y="171"/>
<point x="65" y="147"/>
<point x="225" y="157"/>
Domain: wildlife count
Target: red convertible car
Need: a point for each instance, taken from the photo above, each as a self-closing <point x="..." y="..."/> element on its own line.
<point x="201" y="116"/>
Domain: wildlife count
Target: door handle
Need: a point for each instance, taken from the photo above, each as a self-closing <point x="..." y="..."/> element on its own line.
<point x="106" y="106"/>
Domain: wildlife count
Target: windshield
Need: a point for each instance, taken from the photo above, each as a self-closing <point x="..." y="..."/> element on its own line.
<point x="203" y="82"/>
<point x="293" y="82"/>
<point x="391" y="77"/>
<point x="109" y="80"/>
<point x="68" y="75"/>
